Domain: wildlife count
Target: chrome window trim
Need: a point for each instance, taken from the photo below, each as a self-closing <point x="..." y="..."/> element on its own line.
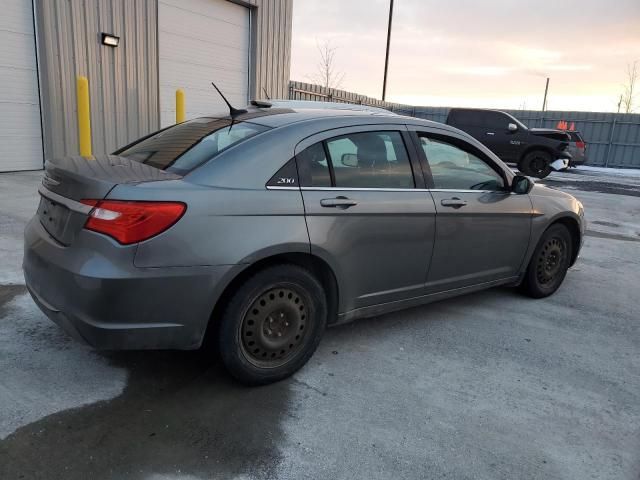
<point x="361" y="189"/>
<point x="467" y="191"/>
<point x="275" y="187"/>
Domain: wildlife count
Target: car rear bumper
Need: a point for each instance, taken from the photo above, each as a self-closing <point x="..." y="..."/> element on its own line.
<point x="115" y="305"/>
<point x="575" y="162"/>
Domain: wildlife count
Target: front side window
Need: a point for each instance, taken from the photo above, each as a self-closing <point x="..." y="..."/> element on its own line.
<point x="185" y="146"/>
<point x="495" y="120"/>
<point x="453" y="168"/>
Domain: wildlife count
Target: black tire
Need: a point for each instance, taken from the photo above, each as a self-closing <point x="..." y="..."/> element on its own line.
<point x="549" y="263"/>
<point x="272" y="324"/>
<point x="536" y="164"/>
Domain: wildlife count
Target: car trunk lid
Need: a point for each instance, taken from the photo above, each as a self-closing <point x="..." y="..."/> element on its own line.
<point x="69" y="180"/>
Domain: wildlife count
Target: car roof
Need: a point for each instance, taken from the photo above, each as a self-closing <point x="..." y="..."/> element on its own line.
<point x="285" y="112"/>
<point x="463" y="109"/>
<point x="319" y="105"/>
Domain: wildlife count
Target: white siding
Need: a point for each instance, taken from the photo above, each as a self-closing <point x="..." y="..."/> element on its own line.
<point x="20" y="134"/>
<point x="201" y="41"/>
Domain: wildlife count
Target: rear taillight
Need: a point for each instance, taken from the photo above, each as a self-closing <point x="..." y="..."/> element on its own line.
<point x="580" y="145"/>
<point x="130" y="221"/>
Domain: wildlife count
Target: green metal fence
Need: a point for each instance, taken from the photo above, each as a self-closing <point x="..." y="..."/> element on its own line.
<point x="613" y="139"/>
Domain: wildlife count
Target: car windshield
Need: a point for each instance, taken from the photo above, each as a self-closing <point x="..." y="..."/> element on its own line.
<point x="185" y="146"/>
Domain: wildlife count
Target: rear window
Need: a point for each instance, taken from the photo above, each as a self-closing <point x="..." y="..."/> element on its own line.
<point x="183" y="147"/>
<point x="575" y="137"/>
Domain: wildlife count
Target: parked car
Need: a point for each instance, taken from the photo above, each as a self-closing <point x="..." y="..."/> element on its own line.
<point x="260" y="230"/>
<point x="577" y="148"/>
<point x="533" y="150"/>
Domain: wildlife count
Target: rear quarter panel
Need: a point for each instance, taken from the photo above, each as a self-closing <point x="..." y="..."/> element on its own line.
<point x="222" y="226"/>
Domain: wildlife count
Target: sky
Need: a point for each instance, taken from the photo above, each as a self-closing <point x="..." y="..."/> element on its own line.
<point x="475" y="53"/>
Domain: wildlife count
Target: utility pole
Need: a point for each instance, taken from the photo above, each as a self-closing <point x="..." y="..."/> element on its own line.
<point x="544" y="102"/>
<point x="386" y="58"/>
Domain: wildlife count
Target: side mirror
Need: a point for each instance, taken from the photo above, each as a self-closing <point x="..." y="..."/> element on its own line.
<point x="512" y="127"/>
<point x="521" y="184"/>
<point x="349" y="160"/>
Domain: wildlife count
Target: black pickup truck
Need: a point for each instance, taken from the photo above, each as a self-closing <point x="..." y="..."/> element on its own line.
<point x="533" y="150"/>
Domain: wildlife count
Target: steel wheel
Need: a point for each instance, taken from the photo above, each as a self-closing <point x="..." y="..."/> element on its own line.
<point x="536" y="164"/>
<point x="273" y="328"/>
<point x="272" y="324"/>
<point x="551" y="261"/>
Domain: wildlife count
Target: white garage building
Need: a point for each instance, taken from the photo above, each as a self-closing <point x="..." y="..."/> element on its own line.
<point x="163" y="45"/>
<point x="20" y="132"/>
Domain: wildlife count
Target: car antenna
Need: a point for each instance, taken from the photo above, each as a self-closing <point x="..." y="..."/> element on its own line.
<point x="262" y="103"/>
<point x="232" y="111"/>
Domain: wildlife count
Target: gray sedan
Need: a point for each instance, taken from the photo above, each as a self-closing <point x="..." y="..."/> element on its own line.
<point x="259" y="230"/>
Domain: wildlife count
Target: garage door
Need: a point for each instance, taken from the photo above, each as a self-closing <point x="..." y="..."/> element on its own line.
<point x="20" y="134"/>
<point x="201" y="41"/>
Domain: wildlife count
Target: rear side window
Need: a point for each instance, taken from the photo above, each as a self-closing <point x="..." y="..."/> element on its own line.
<point x="358" y="160"/>
<point x="479" y="118"/>
<point x="185" y="146"/>
<point x="458" y="117"/>
<point x="314" y="167"/>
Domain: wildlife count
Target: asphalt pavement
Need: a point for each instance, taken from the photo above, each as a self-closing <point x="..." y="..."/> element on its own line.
<point x="492" y="385"/>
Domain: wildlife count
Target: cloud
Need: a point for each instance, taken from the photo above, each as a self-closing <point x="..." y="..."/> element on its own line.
<point x="494" y="50"/>
<point x="478" y="70"/>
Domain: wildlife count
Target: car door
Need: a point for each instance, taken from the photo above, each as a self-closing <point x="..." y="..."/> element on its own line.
<point x="366" y="215"/>
<point x="495" y="132"/>
<point x="482" y="228"/>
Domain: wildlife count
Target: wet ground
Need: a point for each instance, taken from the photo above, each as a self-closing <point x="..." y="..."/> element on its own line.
<point x="491" y="385"/>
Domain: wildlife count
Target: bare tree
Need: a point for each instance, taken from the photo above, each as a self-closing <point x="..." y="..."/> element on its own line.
<point x="628" y="96"/>
<point x="326" y="74"/>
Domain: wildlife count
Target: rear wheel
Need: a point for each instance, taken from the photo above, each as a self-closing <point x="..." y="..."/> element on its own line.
<point x="549" y="263"/>
<point x="536" y="164"/>
<point x="273" y="324"/>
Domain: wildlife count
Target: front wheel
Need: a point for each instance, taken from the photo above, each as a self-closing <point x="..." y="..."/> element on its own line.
<point x="272" y="324"/>
<point x="549" y="263"/>
<point x="536" y="164"/>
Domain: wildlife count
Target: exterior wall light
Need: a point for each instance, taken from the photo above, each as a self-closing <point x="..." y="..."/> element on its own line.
<point x="110" y="40"/>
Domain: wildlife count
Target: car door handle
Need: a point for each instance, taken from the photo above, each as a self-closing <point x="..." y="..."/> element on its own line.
<point x="453" y="202"/>
<point x="491" y="133"/>
<point x="338" y="202"/>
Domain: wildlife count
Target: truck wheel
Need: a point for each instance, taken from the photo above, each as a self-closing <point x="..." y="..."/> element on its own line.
<point x="272" y="324"/>
<point x="549" y="263"/>
<point x="536" y="164"/>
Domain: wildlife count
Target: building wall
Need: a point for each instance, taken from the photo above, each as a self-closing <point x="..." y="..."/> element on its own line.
<point x="20" y="134"/>
<point x="123" y="81"/>
<point x="272" y="46"/>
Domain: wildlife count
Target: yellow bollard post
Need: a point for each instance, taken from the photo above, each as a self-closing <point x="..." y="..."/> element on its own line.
<point x="180" y="111"/>
<point x="84" y="117"/>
